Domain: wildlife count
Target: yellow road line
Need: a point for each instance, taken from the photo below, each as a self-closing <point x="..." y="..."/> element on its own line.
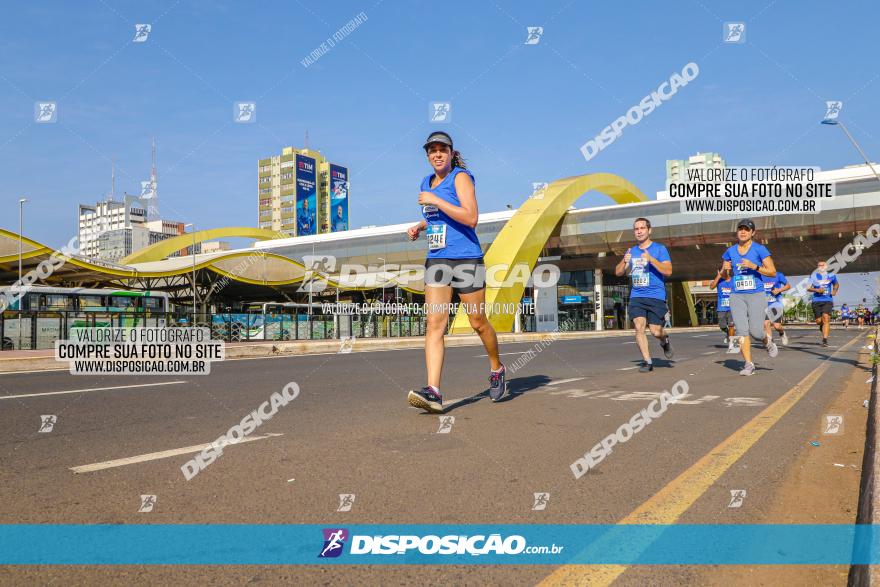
<point x="668" y="504"/>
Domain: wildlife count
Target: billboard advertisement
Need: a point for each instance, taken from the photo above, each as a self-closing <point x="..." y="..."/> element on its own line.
<point x="338" y="198"/>
<point x="306" y="199"/>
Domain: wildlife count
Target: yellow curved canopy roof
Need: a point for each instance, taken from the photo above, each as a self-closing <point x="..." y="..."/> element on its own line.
<point x="160" y="250"/>
<point x="525" y="234"/>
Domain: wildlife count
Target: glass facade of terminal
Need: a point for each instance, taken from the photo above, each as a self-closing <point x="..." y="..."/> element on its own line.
<point x="596" y="238"/>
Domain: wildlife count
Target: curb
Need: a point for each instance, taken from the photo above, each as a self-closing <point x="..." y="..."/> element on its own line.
<point x="310" y="347"/>
<point x="869" y="500"/>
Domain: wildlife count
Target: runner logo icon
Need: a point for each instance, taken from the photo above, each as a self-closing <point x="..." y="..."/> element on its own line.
<point x="47" y="422"/>
<point x="346" y="500"/>
<point x="541" y="500"/>
<point x="534" y="35"/>
<point x="736" y="498"/>
<point x="334" y="541"/>
<point x="734" y="32"/>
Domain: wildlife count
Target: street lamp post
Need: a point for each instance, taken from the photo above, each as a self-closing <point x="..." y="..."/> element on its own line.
<point x="20" y="237"/>
<point x="193" y="251"/>
<point x="311" y="283"/>
<point x="835" y="122"/>
<point x="388" y="332"/>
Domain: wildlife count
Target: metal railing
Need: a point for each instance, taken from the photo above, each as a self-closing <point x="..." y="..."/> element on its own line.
<point x="27" y="330"/>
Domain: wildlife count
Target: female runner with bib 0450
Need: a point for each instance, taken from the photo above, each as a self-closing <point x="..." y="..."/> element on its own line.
<point x="455" y="261"/>
<point x="748" y="261"/>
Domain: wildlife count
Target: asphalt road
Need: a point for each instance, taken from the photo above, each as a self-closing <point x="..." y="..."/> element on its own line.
<point x="350" y="431"/>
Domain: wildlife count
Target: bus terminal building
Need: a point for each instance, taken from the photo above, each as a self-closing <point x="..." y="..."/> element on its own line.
<point x="584" y="244"/>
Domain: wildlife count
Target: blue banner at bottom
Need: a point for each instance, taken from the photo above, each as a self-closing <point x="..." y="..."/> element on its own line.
<point x="210" y="544"/>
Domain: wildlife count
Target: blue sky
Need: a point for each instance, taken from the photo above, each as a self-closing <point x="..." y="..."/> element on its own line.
<point x="519" y="112"/>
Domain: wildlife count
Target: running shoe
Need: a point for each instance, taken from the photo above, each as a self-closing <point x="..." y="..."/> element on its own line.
<point x="667" y="348"/>
<point x="646" y="367"/>
<point x="772" y="349"/>
<point x="732" y="347"/>
<point x="497" y="384"/>
<point x="825" y="342"/>
<point x="726" y="340"/>
<point x="426" y="399"/>
<point x="749" y="369"/>
<point x="784" y="339"/>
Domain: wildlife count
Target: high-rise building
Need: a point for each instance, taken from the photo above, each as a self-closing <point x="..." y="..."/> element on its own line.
<point x="300" y="193"/>
<point x="105" y="217"/>
<point x="114" y="245"/>
<point x="676" y="169"/>
<point x="111" y="230"/>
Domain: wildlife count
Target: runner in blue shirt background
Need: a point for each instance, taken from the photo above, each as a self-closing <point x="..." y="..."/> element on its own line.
<point x="824" y="288"/>
<point x="845" y="315"/>
<point x="723" y="285"/>
<point x="749" y="261"/>
<point x="649" y="265"/>
<point x="773" y="288"/>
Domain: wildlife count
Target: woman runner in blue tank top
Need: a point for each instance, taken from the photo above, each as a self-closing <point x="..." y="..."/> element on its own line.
<point x="454" y="262"/>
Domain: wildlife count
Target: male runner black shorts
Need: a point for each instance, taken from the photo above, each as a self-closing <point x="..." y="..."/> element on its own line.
<point x="820" y="308"/>
<point x="653" y="310"/>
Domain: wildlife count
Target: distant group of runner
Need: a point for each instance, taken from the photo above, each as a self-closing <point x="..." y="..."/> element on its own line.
<point x="860" y="315"/>
<point x="749" y="295"/>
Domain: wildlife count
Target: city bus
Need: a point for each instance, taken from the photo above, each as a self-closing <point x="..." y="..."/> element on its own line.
<point x="44" y="314"/>
<point x="41" y="298"/>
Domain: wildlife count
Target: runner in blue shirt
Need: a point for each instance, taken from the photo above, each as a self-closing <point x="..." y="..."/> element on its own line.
<point x="845" y="315"/>
<point x="649" y="265"/>
<point x="773" y="288"/>
<point x="749" y="261"/>
<point x="723" y="285"/>
<point x="454" y="262"/>
<point x="824" y="288"/>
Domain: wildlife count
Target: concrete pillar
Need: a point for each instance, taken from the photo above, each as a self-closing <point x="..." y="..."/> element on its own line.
<point x="598" y="302"/>
<point x="682" y="305"/>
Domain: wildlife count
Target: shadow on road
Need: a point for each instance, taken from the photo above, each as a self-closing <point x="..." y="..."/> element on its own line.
<point x="853" y="362"/>
<point x="737" y="364"/>
<point x="465" y="402"/>
<point x="517" y="387"/>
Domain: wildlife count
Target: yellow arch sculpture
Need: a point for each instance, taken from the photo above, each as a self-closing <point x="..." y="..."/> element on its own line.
<point x="161" y="249"/>
<point x="526" y="233"/>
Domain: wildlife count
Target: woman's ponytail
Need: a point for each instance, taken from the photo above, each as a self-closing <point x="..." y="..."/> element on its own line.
<point x="458" y="160"/>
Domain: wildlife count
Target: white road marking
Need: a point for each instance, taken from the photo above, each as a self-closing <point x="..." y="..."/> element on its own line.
<point x="289" y="480"/>
<point x="91" y="389"/>
<point x="575" y="393"/>
<point x="629" y="368"/>
<point x="561" y="381"/>
<point x="159" y="455"/>
<point x="710" y="352"/>
<point x="699" y="335"/>
<point x="499" y="354"/>
<point x="35" y="371"/>
<point x="630" y="342"/>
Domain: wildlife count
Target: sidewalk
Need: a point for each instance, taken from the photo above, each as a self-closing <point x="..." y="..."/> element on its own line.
<point x="44" y="360"/>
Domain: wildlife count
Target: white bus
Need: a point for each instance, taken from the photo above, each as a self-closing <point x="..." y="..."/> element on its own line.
<point x="44" y="314"/>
